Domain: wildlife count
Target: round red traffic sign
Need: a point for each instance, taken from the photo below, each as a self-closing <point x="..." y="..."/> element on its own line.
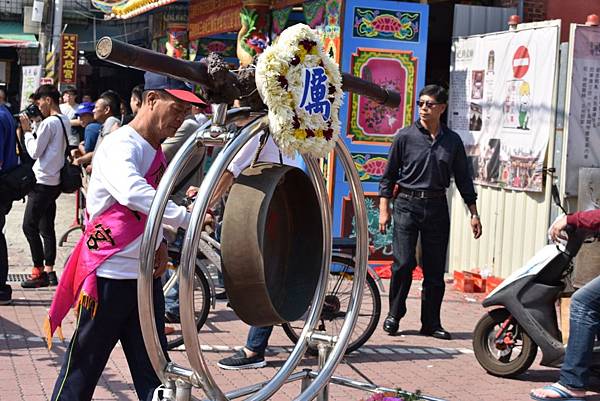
<point x="520" y="62"/>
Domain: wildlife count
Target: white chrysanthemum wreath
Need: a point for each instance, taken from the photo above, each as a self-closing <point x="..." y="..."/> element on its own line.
<point x="302" y="87"/>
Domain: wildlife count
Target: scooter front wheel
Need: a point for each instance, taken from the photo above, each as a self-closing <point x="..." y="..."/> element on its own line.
<point x="501" y="345"/>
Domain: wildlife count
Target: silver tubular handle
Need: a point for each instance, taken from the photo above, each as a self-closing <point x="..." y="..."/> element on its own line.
<point x="188" y="256"/>
<point x="149" y="238"/>
<point x="360" y="273"/>
<point x="281" y="377"/>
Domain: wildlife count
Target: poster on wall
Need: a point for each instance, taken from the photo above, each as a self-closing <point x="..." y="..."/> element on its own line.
<point x="583" y="105"/>
<point x="30" y="82"/>
<point x="501" y="102"/>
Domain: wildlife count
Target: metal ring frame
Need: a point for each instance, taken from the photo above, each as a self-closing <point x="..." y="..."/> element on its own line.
<point x="199" y="375"/>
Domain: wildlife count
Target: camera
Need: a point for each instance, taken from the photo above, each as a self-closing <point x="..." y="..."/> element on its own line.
<point x="31" y="111"/>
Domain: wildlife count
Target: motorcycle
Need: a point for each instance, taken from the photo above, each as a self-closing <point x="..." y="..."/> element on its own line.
<point x="506" y="339"/>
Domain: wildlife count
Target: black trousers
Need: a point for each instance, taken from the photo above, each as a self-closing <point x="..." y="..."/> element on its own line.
<point x="38" y="224"/>
<point x="430" y="218"/>
<point x="5" y="206"/>
<point x="94" y="339"/>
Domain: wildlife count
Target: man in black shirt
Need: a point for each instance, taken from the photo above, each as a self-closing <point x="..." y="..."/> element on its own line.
<point x="421" y="161"/>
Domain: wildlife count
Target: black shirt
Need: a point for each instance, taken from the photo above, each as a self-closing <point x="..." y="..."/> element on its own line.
<point x="418" y="162"/>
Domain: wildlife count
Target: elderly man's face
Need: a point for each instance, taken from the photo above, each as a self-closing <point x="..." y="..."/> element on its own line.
<point x="101" y="110"/>
<point x="169" y="111"/>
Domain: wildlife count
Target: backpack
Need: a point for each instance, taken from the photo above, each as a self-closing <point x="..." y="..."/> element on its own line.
<point x="17" y="182"/>
<point x="70" y="175"/>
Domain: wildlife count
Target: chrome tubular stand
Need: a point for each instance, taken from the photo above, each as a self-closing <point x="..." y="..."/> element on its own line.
<point x="179" y="379"/>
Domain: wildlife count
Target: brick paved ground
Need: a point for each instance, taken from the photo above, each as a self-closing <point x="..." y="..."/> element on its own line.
<point x="445" y="369"/>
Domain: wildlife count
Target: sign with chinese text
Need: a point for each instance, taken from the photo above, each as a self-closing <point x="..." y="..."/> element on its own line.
<point x="501" y="104"/>
<point x="314" y="94"/>
<point x="583" y="105"/>
<point x="68" y="59"/>
<point x="29" y="82"/>
<point x="211" y="17"/>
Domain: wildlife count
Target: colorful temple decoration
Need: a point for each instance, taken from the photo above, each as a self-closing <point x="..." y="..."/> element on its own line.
<point x="280" y="18"/>
<point x="370" y="166"/>
<point x="252" y="37"/>
<point x="331" y="30"/>
<point x="394" y="70"/>
<point x="386" y="24"/>
<point x="314" y="12"/>
<point x="384" y="42"/>
<point x="177" y="41"/>
<point x="213" y="17"/>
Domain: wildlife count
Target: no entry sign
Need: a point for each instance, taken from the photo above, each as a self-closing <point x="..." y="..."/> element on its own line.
<point x="520" y="62"/>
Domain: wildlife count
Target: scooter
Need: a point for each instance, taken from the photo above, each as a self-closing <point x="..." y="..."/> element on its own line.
<point x="505" y="339"/>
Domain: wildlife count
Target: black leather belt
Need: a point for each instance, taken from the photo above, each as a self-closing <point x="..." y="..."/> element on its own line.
<point x="415" y="193"/>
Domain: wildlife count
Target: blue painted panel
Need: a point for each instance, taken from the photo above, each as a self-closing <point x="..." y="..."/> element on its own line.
<point x="385" y="42"/>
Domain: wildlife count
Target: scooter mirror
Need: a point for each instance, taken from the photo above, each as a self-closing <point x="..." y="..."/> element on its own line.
<point x="556" y="198"/>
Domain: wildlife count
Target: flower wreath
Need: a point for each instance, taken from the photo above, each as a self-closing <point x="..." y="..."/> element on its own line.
<point x="302" y="87"/>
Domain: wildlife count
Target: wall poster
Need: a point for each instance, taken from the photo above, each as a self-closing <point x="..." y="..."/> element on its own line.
<point x="583" y="104"/>
<point x="501" y="104"/>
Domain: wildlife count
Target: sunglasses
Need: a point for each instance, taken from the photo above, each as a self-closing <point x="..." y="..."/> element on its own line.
<point x="427" y="103"/>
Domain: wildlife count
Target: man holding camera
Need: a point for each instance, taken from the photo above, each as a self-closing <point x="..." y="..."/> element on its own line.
<point x="47" y="147"/>
<point x="8" y="160"/>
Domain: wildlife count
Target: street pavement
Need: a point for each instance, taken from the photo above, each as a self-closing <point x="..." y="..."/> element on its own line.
<point x="443" y="369"/>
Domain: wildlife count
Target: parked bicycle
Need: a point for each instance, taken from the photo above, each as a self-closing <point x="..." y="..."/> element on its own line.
<point x="334" y="310"/>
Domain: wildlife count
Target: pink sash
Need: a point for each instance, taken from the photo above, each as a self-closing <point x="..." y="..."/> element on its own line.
<point x="107" y="234"/>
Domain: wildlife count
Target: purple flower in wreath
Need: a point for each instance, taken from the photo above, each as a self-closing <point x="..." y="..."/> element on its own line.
<point x="259" y="42"/>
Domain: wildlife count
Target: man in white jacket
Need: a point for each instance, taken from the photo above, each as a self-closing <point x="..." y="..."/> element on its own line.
<point x="127" y="168"/>
<point x="46" y="145"/>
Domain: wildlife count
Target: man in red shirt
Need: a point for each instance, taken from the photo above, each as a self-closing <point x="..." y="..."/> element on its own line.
<point x="584" y="323"/>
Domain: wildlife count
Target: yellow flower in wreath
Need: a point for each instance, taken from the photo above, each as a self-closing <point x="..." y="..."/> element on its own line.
<point x="300" y="134"/>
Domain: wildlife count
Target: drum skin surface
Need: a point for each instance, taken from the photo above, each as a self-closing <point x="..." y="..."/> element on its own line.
<point x="271" y="244"/>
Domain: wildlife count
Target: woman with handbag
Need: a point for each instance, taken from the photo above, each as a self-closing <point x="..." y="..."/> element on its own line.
<point x="47" y="147"/>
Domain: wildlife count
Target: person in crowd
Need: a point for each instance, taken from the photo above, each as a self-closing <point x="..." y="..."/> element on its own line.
<point x="68" y="108"/>
<point x="4" y="100"/>
<point x="584" y="322"/>
<point x="8" y="160"/>
<point x="421" y="161"/>
<point x="127" y="170"/>
<point x="106" y="112"/>
<point x="135" y="101"/>
<point x="85" y="113"/>
<point x="87" y="98"/>
<point x="126" y="117"/>
<point x="47" y="148"/>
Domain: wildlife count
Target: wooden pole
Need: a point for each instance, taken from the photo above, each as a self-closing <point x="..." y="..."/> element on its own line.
<point x="222" y="90"/>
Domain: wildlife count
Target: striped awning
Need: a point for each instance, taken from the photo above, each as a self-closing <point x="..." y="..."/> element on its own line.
<point x="12" y="35"/>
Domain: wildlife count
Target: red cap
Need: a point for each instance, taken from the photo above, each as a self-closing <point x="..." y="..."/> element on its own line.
<point x="186" y="96"/>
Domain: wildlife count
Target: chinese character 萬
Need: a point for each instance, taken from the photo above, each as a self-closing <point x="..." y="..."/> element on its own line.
<point x="102" y="234"/>
<point x="314" y="97"/>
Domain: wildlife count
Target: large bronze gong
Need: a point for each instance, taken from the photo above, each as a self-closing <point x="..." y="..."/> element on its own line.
<point x="271" y="244"/>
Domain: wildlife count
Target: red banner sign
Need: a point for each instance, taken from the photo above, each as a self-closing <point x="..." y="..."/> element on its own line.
<point x="212" y="17"/>
<point x="68" y="59"/>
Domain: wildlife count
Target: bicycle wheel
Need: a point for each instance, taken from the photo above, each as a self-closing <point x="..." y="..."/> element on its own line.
<point x="339" y="289"/>
<point x="201" y="308"/>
